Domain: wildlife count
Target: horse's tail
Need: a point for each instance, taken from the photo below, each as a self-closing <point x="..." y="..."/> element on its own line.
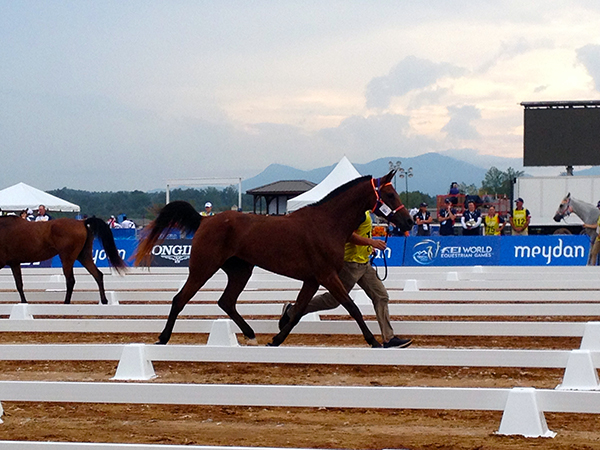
<point x="175" y="215"/>
<point x="101" y="230"/>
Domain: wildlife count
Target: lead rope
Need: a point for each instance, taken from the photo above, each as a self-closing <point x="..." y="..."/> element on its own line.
<point x="385" y="266"/>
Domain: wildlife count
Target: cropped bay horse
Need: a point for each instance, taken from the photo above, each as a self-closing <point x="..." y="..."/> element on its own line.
<point x="307" y="245"/>
<point x="24" y="242"/>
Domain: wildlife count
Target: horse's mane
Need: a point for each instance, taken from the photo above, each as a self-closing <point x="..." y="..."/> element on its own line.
<point x="343" y="188"/>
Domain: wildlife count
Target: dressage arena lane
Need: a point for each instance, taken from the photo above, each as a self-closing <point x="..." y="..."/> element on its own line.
<point x="286" y="427"/>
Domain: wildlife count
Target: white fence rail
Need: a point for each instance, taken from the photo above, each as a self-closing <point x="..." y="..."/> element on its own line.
<point x="523" y="407"/>
<point x="543" y="291"/>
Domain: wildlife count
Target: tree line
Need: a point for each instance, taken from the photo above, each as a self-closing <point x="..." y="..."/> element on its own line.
<point x="145" y="205"/>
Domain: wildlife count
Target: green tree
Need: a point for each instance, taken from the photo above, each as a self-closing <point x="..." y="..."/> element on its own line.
<point x="498" y="182"/>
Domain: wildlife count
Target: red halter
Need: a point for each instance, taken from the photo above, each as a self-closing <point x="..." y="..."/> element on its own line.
<point x="385" y="209"/>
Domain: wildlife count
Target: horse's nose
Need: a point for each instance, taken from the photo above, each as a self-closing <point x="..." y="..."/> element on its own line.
<point x="557" y="218"/>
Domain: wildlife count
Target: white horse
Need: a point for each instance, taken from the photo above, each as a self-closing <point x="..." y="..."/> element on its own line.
<point x="585" y="211"/>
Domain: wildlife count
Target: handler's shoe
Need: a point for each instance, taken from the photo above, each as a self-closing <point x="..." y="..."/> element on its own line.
<point x="397" y="342"/>
<point x="285" y="318"/>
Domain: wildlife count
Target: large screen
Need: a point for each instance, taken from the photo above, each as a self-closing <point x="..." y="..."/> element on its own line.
<point x="562" y="134"/>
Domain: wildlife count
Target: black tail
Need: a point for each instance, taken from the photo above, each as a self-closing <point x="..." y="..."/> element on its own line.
<point x="102" y="231"/>
<point x="175" y="215"/>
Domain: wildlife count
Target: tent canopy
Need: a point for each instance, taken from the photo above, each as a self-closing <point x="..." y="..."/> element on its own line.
<point x="341" y="174"/>
<point x="22" y="196"/>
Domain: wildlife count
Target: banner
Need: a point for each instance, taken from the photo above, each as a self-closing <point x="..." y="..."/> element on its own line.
<point x="452" y="251"/>
<point x="546" y="250"/>
<point x="551" y="250"/>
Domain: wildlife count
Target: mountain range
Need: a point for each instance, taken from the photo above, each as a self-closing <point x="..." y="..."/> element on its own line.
<point x="432" y="172"/>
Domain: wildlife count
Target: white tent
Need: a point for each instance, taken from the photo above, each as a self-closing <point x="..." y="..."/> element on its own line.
<point x="22" y="196"/>
<point x="341" y="174"/>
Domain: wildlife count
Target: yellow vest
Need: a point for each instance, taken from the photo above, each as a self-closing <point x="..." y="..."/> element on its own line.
<point x="520" y="217"/>
<point x="360" y="253"/>
<point x="492" y="225"/>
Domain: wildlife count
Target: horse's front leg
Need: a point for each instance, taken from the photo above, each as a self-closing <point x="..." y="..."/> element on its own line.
<point x="16" y="271"/>
<point x="238" y="273"/>
<point x="70" y="280"/>
<point x="309" y="288"/>
<point x="334" y="285"/>
<point x="181" y="299"/>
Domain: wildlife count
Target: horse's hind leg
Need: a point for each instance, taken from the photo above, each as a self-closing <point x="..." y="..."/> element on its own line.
<point x="238" y="273"/>
<point x="199" y="274"/>
<point x="16" y="271"/>
<point x="87" y="262"/>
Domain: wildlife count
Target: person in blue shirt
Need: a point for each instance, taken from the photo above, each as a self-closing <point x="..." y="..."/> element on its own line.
<point x="471" y="220"/>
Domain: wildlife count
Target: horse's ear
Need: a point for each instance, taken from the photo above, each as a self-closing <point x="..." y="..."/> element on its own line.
<point x="390" y="176"/>
<point x="569" y="195"/>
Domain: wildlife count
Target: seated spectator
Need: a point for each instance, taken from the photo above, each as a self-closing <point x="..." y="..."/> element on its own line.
<point x="126" y="223"/>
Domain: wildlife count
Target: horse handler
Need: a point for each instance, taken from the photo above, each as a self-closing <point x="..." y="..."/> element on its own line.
<point x="593" y="259"/>
<point x="357" y="270"/>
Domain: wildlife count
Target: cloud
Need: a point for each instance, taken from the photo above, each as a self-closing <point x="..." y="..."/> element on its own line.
<point x="512" y="48"/>
<point x="589" y="56"/>
<point x="409" y="74"/>
<point x="365" y="138"/>
<point x="460" y="126"/>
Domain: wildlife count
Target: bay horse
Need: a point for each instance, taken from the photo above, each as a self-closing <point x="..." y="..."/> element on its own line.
<point x="306" y="245"/>
<point x="22" y="241"/>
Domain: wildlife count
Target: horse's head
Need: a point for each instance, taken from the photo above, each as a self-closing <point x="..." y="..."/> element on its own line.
<point x="388" y="204"/>
<point x="564" y="209"/>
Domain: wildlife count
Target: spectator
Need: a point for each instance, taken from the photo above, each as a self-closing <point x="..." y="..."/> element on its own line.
<point x="446" y="218"/>
<point x="454" y="189"/>
<point x="23" y="214"/>
<point x="126" y="223"/>
<point x="519" y="219"/>
<point x="471" y="220"/>
<point x="30" y="215"/>
<point x="42" y="216"/>
<point x="493" y="223"/>
<point x="112" y="222"/>
<point x="423" y="220"/>
<point x="357" y="269"/>
<point x="207" y="210"/>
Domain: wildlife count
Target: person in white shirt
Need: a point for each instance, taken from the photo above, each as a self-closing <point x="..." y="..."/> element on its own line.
<point x="42" y="215"/>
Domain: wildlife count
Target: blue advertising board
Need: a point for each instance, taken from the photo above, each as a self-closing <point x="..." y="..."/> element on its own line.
<point x="547" y="250"/>
<point x="551" y="250"/>
<point x="452" y="251"/>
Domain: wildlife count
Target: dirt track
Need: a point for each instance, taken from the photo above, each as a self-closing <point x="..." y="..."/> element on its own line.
<point x="287" y="427"/>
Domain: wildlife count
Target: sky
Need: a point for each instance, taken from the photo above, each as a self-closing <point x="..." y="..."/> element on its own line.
<point x="113" y="95"/>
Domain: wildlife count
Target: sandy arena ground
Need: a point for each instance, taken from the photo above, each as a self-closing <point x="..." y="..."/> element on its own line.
<point x="288" y="427"/>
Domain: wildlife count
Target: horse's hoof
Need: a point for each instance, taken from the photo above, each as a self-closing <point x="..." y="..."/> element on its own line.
<point x="160" y="343"/>
<point x="104" y="301"/>
<point x="251" y="342"/>
<point x="376" y="345"/>
<point x="67" y="302"/>
<point x="271" y="344"/>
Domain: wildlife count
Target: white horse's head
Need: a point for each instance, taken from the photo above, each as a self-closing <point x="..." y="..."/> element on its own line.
<point x="564" y="209"/>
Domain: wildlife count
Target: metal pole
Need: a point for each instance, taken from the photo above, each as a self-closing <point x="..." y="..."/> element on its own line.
<point x="239" y="194"/>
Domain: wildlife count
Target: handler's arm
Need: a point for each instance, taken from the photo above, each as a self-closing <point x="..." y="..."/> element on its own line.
<point x="359" y="240"/>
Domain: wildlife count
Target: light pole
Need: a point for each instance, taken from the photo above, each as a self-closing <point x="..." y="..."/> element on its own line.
<point x="397" y="167"/>
<point x="406" y="174"/>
